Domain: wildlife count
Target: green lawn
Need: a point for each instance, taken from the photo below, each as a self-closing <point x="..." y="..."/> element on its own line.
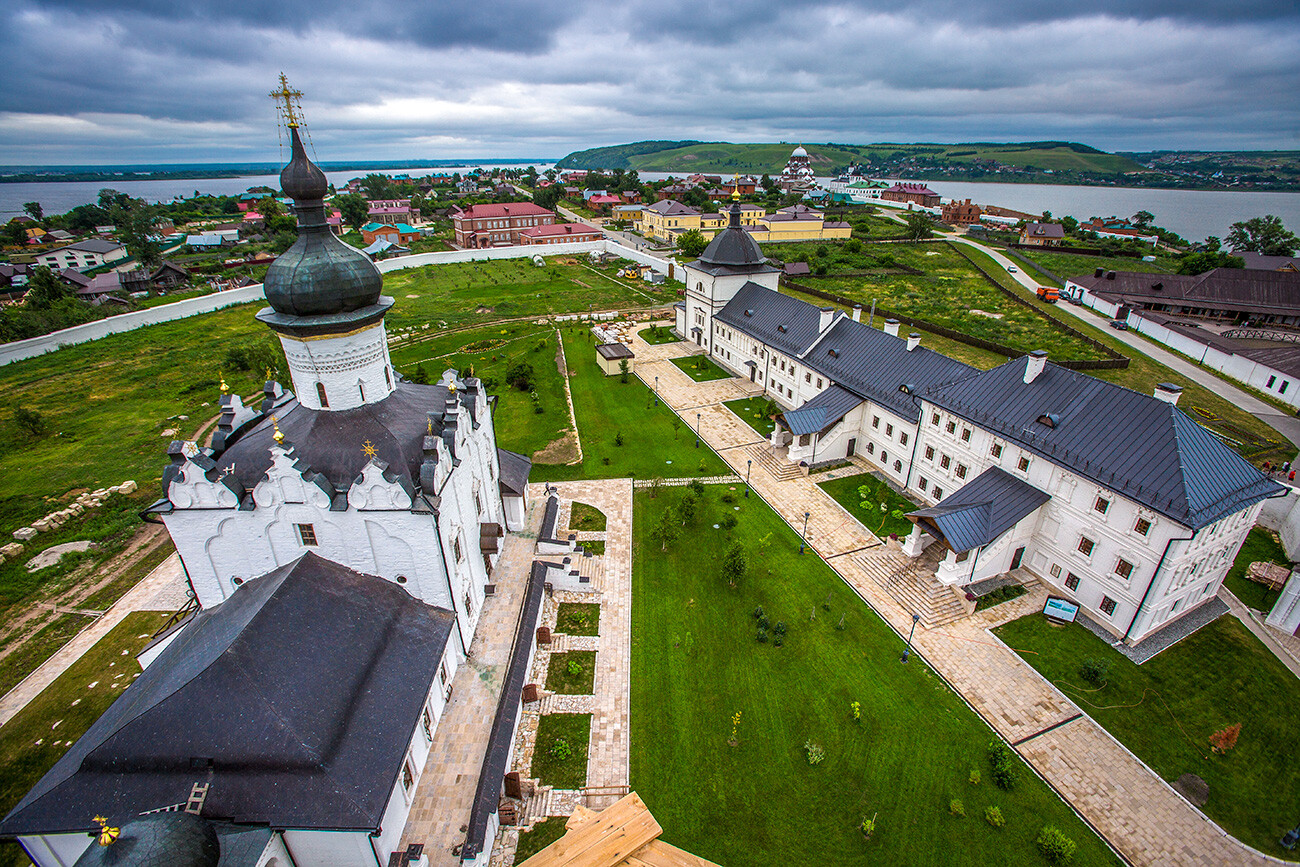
<point x="585" y="517"/>
<point x="1166" y="710"/>
<point x="572" y="673"/>
<point x="560" y="754"/>
<point x="882" y="522"/>
<point x="950" y="293"/>
<point x="755" y="412"/>
<point x="72" y="703"/>
<point x="538" y="838"/>
<point x="606" y="408"/>
<point x="595" y="546"/>
<point x="1260" y="544"/>
<point x="1000" y="595"/>
<point x="656" y="335"/>
<point x="700" y="368"/>
<point x="695" y="663"/>
<point x="578" y="618"/>
<point x="1067" y="265"/>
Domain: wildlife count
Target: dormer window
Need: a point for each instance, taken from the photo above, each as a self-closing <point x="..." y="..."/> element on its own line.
<point x="781" y="328"/>
<point x="749" y="312"/>
<point x="833" y="353"/>
<point x="1050" y="419"/>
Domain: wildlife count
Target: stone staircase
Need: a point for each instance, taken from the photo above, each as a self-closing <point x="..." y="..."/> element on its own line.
<point x="911" y="581"/>
<point x="781" y="469"/>
<point x="537" y="805"/>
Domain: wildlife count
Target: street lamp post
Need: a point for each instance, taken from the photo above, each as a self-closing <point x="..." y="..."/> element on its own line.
<point x="749" y="465"/>
<point x="697" y="430"/>
<point x="907" y="651"/>
<point x="803" y="541"/>
<point x="656" y="391"/>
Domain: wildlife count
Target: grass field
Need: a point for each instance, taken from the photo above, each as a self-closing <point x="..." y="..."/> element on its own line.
<point x="657" y="335"/>
<point x="572" y="673"/>
<point x="1067" y="265"/>
<point x="606" y="408"/>
<point x="753" y="411"/>
<point x="560" y="754"/>
<point x="578" y="618"/>
<point x="584" y="517"/>
<point x="761" y="801"/>
<point x="1263" y="545"/>
<point x="700" y="368"/>
<point x="951" y="293"/>
<point x="1166" y="709"/>
<point x="882" y="522"/>
<point x="30" y="743"/>
<point x="538" y="838"/>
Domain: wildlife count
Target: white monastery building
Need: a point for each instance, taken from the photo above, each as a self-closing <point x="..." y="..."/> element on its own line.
<point x="1119" y="501"/>
<point x="339" y="539"/>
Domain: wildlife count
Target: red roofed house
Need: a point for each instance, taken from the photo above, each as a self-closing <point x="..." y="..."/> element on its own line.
<point x="603" y="202"/>
<point x="482" y="226"/>
<point x="560" y="233"/>
<point x="917" y="194"/>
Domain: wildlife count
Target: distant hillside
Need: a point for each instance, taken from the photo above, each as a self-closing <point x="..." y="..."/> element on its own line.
<point x="916" y="159"/>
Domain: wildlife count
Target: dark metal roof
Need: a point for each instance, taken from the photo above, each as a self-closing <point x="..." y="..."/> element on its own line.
<point x="514" y="472"/>
<point x="614" y="351"/>
<point x="1236" y="289"/>
<point x="874" y="365"/>
<point x="318" y="275"/>
<point x="824" y="410"/>
<point x="332" y="442"/>
<point x="778" y="320"/>
<point x="733" y="247"/>
<point x="163" y="840"/>
<point x="983" y="509"/>
<point x="295" y="699"/>
<point x="1132" y="443"/>
<point x="487" y="795"/>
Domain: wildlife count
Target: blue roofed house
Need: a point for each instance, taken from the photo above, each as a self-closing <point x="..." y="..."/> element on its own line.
<point x="1116" y="499"/>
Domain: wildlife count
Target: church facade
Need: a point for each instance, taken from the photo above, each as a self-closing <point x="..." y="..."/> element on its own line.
<point x="339" y="539"/>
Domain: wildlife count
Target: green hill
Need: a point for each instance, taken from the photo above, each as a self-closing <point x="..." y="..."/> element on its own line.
<point x="725" y="157"/>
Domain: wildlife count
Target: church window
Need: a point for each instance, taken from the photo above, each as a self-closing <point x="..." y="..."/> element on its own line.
<point x="320" y="395"/>
<point x="1101" y="505"/>
<point x="469" y="605"/>
<point x="951" y="427"/>
<point x="306" y="534"/>
<point x="1071" y="581"/>
<point x="871" y="448"/>
<point x="929" y="453"/>
<point x="944" y="461"/>
<point x="898" y="466"/>
<point x="408" y="776"/>
<point x="428" y="725"/>
<point x="923" y="483"/>
<point x="875" y="421"/>
<point x="902" y="438"/>
<point x="362" y="389"/>
<point x="455" y="549"/>
<point x="1124" y="569"/>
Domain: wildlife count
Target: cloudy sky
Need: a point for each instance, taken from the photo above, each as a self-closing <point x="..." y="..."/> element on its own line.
<point x="101" y="82"/>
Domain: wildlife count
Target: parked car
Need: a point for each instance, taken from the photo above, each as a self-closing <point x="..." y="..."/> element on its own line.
<point x="1011" y="269"/>
<point x="1074" y="299"/>
<point x="1119" y="325"/>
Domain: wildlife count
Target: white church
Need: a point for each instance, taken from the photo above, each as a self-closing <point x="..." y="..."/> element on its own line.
<point x="339" y="538"/>
<point x="1118" y="500"/>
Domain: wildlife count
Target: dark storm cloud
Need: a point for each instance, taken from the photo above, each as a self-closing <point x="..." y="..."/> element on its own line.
<point x="144" y="80"/>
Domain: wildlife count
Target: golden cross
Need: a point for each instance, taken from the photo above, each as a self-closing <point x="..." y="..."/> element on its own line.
<point x="278" y="437"/>
<point x="430" y="427"/>
<point x="369" y="449"/>
<point x="286" y="98"/>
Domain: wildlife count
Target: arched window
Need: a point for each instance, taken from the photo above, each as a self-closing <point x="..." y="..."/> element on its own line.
<point x="388" y="376"/>
<point x="362" y="389"/>
<point x="320" y="393"/>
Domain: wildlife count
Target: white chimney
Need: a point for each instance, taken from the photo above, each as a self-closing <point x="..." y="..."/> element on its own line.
<point x="913" y="341"/>
<point x="828" y="314"/>
<point x="891" y="327"/>
<point x="1169" y="393"/>
<point x="1034" y="364"/>
<point x="857" y="312"/>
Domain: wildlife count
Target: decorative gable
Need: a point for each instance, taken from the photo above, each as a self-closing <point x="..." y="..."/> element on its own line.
<point x="288" y="481"/>
<point x="378" y="490"/>
<point x="197" y="484"/>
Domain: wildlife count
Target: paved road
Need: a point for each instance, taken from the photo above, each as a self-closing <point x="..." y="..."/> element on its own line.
<point x="1285" y="424"/>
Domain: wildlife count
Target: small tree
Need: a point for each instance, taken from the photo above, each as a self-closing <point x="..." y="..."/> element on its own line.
<point x="686" y="507"/>
<point x="29" y="421"/>
<point x="1266" y="235"/>
<point x="44" y="290"/>
<point x="919" y="225"/>
<point x="353" y="208"/>
<point x="734" y="564"/>
<point x="692" y="243"/>
<point x="521" y="375"/>
<point x="666" y="530"/>
<point x="420" y="376"/>
<point x="1225" y="739"/>
<point x="623" y="371"/>
<point x="34" y="210"/>
<point x="677" y="425"/>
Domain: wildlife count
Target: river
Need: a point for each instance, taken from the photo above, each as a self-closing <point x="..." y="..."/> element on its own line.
<point x="60" y="197"/>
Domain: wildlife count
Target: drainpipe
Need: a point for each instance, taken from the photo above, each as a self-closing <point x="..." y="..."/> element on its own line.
<point x="451" y="593"/>
<point x="1152" y="582"/>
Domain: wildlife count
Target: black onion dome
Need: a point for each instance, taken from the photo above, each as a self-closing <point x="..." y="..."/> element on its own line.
<point x="733" y="246"/>
<point x="319" y="275"/>
<point x="160" y="840"/>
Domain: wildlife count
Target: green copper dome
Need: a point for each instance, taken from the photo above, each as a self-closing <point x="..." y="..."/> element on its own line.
<point x="319" y="275"/>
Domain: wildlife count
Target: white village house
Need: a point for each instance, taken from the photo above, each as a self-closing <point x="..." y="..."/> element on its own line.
<point x="90" y="253"/>
<point x="1118" y="500"/>
<point x="339" y="540"/>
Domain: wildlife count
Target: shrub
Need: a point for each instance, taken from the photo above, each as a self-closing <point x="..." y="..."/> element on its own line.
<point x="729" y="522"/>
<point x="574" y="668"/>
<point x="1057" y="848"/>
<point x="561" y="749"/>
<point x="762" y="620"/>
<point x="956" y="807"/>
<point x="974" y="777"/>
<point x="758" y="612"/>
<point x="1002" y="766"/>
<point x="521" y="375"/>
<point x="618" y="438"/>
<point x="605" y="460"/>
<point x="779" y="629"/>
<point x="993" y="816"/>
<point x="856" y="709"/>
<point x="1095" y="670"/>
<point x="762" y="636"/>
<point x="727" y="498"/>
<point x="29" y="421"/>
<point x="816" y="755"/>
<point x="1226" y="739"/>
<point x="697" y="487"/>
<point x="777" y="642"/>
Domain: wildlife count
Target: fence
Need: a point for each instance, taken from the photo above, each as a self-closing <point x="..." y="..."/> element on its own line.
<point x="683" y="481"/>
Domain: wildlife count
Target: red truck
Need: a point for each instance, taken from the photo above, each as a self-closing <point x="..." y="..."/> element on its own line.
<point x="1050" y="294"/>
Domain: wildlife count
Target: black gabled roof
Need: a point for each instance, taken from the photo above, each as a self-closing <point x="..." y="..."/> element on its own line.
<point x="331" y="442"/>
<point x="1132" y="443"/>
<point x="982" y="510"/>
<point x="829" y="406"/>
<point x="778" y="320"/>
<point x="296" y="699"/>
<point x="874" y="364"/>
<point x="514" y="472"/>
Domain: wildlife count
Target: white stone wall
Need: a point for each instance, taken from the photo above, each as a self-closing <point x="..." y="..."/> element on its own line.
<point x="352" y="369"/>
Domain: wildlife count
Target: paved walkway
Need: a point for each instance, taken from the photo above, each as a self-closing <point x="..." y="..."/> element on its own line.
<point x="1137" y="812"/>
<point x="163" y="589"/>
<point x="444" y="793"/>
<point x="1286" y="425"/>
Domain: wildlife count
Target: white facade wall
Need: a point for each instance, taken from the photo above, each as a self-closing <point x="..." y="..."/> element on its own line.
<point x="77" y="259"/>
<point x="347" y="370"/>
